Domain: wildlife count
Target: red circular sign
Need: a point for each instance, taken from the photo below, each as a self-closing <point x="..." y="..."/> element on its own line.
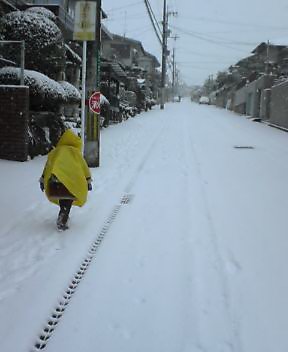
<point x="94" y="102"/>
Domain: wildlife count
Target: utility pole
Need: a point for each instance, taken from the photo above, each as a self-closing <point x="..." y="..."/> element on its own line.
<point x="175" y="37"/>
<point x="22" y="62"/>
<point x="164" y="54"/>
<point x="125" y="16"/>
<point x="92" y="146"/>
<point x="267" y="57"/>
<point x="173" y="72"/>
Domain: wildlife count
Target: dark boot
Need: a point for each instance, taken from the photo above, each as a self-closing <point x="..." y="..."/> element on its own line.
<point x="63" y="216"/>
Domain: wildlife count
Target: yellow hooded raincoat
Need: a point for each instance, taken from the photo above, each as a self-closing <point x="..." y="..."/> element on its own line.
<point x="70" y="168"/>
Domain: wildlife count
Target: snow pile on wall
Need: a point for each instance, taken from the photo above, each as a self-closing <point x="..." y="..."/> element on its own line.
<point x="72" y="93"/>
<point x="44" y="92"/>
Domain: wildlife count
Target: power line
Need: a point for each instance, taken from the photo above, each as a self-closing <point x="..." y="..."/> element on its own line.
<point x="213" y="38"/>
<point x="194" y="53"/>
<point x="132" y="17"/>
<point x="155" y="19"/>
<point x="213" y="41"/>
<point x="140" y="31"/>
<point x="123" y="7"/>
<point x="154" y="22"/>
<point x="254" y="25"/>
<point x="202" y="62"/>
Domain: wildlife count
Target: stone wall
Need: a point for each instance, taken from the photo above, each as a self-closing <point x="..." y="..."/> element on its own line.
<point x="14" y="117"/>
<point x="279" y="105"/>
<point x="251" y="97"/>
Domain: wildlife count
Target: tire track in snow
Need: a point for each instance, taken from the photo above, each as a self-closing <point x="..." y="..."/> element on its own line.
<point x="234" y="343"/>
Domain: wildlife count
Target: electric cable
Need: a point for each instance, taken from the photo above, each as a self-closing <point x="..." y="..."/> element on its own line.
<point x="212" y="41"/>
<point x="212" y="38"/>
<point x="123" y="7"/>
<point x="149" y="10"/>
<point x="154" y="17"/>
<point x="254" y="25"/>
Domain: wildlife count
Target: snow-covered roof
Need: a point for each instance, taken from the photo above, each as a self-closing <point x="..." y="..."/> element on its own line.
<point x="153" y="57"/>
<point x="279" y="41"/>
<point x="106" y="32"/>
<point x="141" y="80"/>
<point x="282" y="42"/>
<point x="74" y="56"/>
<point x="115" y="67"/>
<point x="6" y="62"/>
<point x="134" y="42"/>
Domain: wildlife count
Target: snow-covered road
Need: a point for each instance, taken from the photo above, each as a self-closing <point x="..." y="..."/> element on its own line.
<point x="195" y="261"/>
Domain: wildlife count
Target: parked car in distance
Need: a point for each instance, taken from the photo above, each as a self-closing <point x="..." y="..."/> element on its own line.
<point x="204" y="100"/>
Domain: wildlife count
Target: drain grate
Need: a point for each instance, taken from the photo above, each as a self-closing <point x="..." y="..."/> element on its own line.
<point x="243" y="147"/>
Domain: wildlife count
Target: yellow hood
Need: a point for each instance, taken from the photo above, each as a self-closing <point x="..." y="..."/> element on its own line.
<point x="68" y="165"/>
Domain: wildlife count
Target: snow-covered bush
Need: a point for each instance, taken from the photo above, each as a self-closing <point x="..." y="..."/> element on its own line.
<point x="45" y="93"/>
<point x="45" y="128"/>
<point x="43" y="12"/>
<point x="72" y="93"/>
<point x="44" y="44"/>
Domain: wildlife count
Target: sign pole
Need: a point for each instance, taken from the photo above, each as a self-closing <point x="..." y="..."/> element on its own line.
<point x="83" y="97"/>
<point x="84" y="30"/>
<point x="92" y="147"/>
<point x="22" y="62"/>
<point x="98" y="72"/>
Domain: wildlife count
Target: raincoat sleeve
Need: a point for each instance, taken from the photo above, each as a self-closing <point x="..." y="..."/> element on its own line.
<point x="86" y="169"/>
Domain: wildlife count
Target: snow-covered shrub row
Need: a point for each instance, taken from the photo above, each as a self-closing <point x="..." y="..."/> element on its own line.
<point x="72" y="93"/>
<point x="44" y="44"/>
<point x="43" y="12"/>
<point x="45" y="93"/>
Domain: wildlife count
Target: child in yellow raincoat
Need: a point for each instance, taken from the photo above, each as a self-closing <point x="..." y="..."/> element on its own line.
<point x="66" y="177"/>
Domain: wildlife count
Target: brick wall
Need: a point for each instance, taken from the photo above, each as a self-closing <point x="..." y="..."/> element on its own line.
<point x="14" y="116"/>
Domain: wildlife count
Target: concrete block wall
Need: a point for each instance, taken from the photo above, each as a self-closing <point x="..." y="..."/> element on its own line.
<point x="279" y="105"/>
<point x="14" y="117"/>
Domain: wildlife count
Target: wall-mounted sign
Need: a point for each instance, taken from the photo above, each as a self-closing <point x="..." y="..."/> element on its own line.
<point x="85" y="20"/>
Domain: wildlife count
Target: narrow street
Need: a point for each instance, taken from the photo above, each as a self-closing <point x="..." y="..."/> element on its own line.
<point x="193" y="259"/>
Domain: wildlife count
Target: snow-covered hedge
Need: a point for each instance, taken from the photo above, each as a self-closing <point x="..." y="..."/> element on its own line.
<point x="72" y="93"/>
<point x="43" y="12"/>
<point x="44" y="44"/>
<point x="45" y="93"/>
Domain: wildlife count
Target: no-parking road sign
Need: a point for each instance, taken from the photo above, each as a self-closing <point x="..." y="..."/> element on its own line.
<point x="94" y="102"/>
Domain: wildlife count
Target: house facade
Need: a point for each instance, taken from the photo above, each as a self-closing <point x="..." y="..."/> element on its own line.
<point x="125" y="50"/>
<point x="131" y="55"/>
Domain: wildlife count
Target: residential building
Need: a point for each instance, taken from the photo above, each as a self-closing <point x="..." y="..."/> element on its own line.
<point x="131" y="54"/>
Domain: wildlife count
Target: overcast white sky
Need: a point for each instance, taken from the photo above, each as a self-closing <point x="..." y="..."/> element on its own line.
<point x="213" y="33"/>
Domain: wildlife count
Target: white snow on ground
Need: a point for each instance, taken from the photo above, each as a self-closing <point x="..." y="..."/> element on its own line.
<point x="196" y="261"/>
